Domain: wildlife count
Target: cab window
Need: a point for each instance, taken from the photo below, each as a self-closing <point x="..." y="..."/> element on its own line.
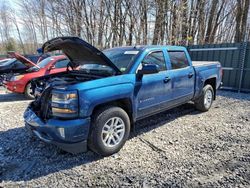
<point x="178" y="59"/>
<point x="156" y="58"/>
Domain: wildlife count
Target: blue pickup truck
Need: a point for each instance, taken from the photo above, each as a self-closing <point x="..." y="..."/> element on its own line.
<point x="96" y="103"/>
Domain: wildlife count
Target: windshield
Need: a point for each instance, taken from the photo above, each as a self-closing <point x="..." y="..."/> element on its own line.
<point x="45" y="62"/>
<point x="41" y="64"/>
<point x="121" y="57"/>
<point x="96" y="69"/>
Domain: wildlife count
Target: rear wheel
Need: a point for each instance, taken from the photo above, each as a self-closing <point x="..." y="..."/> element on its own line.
<point x="28" y="92"/>
<point x="204" y="102"/>
<point x="110" y="130"/>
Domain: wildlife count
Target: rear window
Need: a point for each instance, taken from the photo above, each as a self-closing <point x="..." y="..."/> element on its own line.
<point x="178" y="59"/>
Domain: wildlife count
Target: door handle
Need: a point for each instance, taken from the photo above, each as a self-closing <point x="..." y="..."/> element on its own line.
<point x="166" y="80"/>
<point x="190" y="75"/>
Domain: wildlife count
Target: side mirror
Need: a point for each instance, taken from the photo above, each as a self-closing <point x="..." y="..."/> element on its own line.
<point x="148" y="69"/>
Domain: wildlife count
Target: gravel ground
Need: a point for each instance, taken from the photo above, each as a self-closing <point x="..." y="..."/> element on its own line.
<point x="180" y="147"/>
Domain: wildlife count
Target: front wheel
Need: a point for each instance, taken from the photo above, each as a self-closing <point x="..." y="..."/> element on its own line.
<point x="110" y="130"/>
<point x="204" y="102"/>
<point x="28" y="92"/>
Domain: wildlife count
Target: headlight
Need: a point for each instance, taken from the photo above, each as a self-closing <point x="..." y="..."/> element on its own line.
<point x="15" y="78"/>
<point x="64" y="104"/>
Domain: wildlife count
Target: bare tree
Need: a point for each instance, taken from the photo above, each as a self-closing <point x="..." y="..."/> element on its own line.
<point x="107" y="23"/>
<point x="159" y="29"/>
<point x="14" y="20"/>
<point x="241" y="19"/>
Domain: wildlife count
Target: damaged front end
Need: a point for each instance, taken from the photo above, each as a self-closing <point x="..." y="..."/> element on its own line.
<point x="54" y="88"/>
<point x="54" y="114"/>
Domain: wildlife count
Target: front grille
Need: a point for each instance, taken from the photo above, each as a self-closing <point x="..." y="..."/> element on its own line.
<point x="42" y="105"/>
<point x="45" y="101"/>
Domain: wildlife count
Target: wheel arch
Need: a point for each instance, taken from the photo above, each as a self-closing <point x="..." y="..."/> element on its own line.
<point x="212" y="82"/>
<point x="125" y="104"/>
<point x="27" y="83"/>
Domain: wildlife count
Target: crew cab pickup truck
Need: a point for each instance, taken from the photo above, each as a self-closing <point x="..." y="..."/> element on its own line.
<point x="95" y="106"/>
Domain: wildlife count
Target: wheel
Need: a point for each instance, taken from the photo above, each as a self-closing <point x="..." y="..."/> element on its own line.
<point x="28" y="91"/>
<point x="110" y="130"/>
<point x="204" y="102"/>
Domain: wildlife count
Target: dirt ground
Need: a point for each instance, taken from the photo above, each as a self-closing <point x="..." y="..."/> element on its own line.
<point x="180" y="148"/>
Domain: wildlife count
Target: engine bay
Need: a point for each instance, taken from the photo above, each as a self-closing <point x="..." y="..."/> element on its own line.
<point x="60" y="80"/>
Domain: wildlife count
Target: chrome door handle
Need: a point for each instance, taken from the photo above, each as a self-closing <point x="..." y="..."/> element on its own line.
<point x="190" y="75"/>
<point x="166" y="80"/>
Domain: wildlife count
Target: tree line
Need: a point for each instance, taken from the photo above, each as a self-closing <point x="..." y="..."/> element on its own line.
<point x="26" y="24"/>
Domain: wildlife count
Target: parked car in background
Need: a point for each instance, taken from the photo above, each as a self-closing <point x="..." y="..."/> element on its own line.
<point x="4" y="60"/>
<point x="97" y="105"/>
<point x="21" y="83"/>
<point x="18" y="64"/>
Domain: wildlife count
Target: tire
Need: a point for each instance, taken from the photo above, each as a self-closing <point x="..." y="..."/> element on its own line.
<point x="204" y="102"/>
<point x="102" y="119"/>
<point x="27" y="93"/>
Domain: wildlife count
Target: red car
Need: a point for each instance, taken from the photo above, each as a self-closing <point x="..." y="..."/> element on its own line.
<point x="21" y="83"/>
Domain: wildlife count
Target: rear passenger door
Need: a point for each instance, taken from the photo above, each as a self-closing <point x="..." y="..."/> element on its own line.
<point x="183" y="77"/>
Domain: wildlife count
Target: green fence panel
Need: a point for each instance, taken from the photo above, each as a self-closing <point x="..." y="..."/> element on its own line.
<point x="230" y="55"/>
<point x="246" y="71"/>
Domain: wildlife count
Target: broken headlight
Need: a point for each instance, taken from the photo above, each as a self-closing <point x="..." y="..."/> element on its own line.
<point x="17" y="77"/>
<point x="64" y="104"/>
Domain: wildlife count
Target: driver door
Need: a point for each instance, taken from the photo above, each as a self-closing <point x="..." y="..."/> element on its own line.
<point x="152" y="91"/>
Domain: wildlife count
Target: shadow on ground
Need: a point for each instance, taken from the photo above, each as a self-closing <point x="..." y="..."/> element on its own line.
<point x="24" y="158"/>
<point x="10" y="97"/>
<point x="6" y="96"/>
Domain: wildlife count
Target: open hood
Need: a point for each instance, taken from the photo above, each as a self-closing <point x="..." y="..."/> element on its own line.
<point x="22" y="59"/>
<point x="78" y="51"/>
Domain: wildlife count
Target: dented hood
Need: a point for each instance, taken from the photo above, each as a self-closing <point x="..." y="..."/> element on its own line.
<point x="22" y="59"/>
<point x="78" y="51"/>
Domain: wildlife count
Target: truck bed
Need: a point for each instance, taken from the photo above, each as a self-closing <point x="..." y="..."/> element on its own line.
<point x="204" y="63"/>
<point x="206" y="70"/>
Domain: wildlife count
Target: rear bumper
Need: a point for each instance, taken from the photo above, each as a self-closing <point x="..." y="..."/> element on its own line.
<point x="69" y="135"/>
<point x="221" y="84"/>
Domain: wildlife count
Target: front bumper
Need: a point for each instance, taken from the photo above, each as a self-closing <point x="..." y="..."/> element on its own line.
<point x="69" y="135"/>
<point x="15" y="86"/>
